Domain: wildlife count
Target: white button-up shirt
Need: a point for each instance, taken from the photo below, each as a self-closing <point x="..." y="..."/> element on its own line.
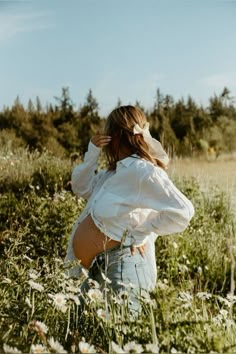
<point x="133" y="204"/>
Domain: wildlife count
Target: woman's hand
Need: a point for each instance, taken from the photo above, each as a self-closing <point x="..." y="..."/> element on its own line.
<point x="100" y="140"/>
<point x="141" y="250"/>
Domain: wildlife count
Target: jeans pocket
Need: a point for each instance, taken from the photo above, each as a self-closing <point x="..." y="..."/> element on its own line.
<point x="142" y="274"/>
<point x="136" y="271"/>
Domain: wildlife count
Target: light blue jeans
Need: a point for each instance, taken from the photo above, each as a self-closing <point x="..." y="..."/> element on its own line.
<point x="125" y="272"/>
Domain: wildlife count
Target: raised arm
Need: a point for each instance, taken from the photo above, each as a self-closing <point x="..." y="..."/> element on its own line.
<point x="83" y="175"/>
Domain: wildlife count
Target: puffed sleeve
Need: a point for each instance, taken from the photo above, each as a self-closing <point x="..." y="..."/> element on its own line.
<point x="165" y="210"/>
<point x="83" y="175"/>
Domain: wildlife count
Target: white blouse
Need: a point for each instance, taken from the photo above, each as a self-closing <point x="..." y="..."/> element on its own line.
<point x="133" y="204"/>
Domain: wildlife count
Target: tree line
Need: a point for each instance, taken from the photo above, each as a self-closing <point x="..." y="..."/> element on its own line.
<point x="184" y="127"/>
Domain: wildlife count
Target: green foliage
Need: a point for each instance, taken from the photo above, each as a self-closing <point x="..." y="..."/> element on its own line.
<point x="180" y="125"/>
<point x="22" y="170"/>
<point x="190" y="258"/>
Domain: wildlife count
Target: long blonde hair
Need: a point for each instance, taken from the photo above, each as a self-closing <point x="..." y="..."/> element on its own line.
<point x="119" y="125"/>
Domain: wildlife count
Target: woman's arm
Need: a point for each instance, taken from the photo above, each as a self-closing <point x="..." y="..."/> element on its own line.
<point x="83" y="175"/>
<point x="166" y="210"/>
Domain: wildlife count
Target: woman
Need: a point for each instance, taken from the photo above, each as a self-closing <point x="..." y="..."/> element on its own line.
<point x="129" y="204"/>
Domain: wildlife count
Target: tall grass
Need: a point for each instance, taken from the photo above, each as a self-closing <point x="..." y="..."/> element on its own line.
<point x="192" y="309"/>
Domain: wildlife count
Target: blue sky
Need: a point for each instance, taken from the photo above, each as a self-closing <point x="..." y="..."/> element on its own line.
<point x="119" y="48"/>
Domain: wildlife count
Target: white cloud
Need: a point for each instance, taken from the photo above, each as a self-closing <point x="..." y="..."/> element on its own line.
<point x="14" y="24"/>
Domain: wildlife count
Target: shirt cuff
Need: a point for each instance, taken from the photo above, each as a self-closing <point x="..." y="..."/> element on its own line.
<point x="93" y="150"/>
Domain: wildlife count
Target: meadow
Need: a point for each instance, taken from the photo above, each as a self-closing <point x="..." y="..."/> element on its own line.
<point x="192" y="309"/>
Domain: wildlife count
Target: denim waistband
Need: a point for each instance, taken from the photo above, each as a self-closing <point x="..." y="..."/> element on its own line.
<point x="100" y="257"/>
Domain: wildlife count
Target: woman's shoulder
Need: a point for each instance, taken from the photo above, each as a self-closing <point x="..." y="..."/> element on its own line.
<point x="147" y="167"/>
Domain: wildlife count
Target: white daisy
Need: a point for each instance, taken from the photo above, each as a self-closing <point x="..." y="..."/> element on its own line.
<point x="55" y="345"/>
<point x="35" y="285"/>
<point x="10" y="350"/>
<point x="38" y="349"/>
<point x="133" y="347"/>
<point x="86" y="348"/>
<point x="224" y="301"/>
<point x="94" y="294"/>
<point x="185" y="296"/>
<point x="231" y="298"/>
<point x="152" y="348"/>
<point x="93" y="284"/>
<point x="102" y="314"/>
<point x="41" y="327"/>
<point x="116" y="349"/>
<point x="203" y="295"/>
<point x="116" y="300"/>
<point x="59" y="301"/>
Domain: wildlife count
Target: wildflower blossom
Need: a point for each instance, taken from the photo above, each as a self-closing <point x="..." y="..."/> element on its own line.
<point x="183" y="268"/>
<point x="74" y="298"/>
<point x="117" y="300"/>
<point x="93" y="284"/>
<point x="199" y="269"/>
<point x="221" y="317"/>
<point x="203" y="295"/>
<point x="105" y="278"/>
<point x="161" y="285"/>
<point x="86" y="347"/>
<point x="94" y="294"/>
<point x="231" y="298"/>
<point x="116" y="349"/>
<point x="56" y="346"/>
<point x="10" y="350"/>
<point x="33" y="274"/>
<point x="224" y="301"/>
<point x="133" y="347"/>
<point x="72" y="289"/>
<point x="38" y="349"/>
<point x="152" y="348"/>
<point x="185" y="296"/>
<point x="173" y="350"/>
<point x="102" y="314"/>
<point x="175" y="245"/>
<point x="35" y="285"/>
<point x="223" y="313"/>
<point x="123" y="294"/>
<point x="41" y="327"/>
<point x="59" y="301"/>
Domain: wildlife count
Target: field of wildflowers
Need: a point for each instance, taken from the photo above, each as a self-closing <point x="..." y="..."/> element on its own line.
<point x="192" y="309"/>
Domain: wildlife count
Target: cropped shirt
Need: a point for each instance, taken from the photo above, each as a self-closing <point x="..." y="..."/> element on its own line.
<point x="133" y="204"/>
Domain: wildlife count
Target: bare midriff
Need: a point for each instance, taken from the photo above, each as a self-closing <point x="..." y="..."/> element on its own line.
<point x="88" y="241"/>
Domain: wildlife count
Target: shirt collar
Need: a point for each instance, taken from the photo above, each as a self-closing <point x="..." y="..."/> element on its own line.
<point x="127" y="161"/>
